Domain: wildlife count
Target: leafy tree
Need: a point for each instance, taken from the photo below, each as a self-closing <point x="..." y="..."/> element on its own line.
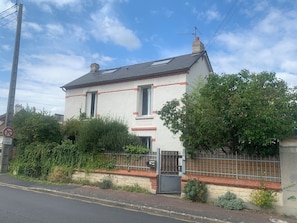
<point x="105" y="134"/>
<point x="244" y="112"/>
<point x="31" y="126"/>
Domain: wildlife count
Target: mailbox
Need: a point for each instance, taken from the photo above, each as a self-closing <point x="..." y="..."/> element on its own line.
<point x="151" y="163"/>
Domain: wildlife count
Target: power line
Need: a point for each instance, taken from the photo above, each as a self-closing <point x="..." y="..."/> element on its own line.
<point x="4" y="11"/>
<point x="9" y="21"/>
<point x="222" y="23"/>
<point x="5" y="16"/>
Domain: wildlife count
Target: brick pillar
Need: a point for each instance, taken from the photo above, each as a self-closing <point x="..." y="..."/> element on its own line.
<point x="288" y="164"/>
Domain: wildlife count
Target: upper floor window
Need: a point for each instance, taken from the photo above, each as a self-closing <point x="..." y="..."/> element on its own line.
<point x="91" y="105"/>
<point x="145" y="100"/>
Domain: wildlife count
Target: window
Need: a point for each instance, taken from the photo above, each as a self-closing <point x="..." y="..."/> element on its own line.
<point x="108" y="71"/>
<point x="146" y="141"/>
<point x="91" y="107"/>
<point x="159" y="62"/>
<point x="145" y="100"/>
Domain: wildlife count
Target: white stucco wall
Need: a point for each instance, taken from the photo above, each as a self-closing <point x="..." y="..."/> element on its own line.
<point x="197" y="74"/>
<point x="120" y="100"/>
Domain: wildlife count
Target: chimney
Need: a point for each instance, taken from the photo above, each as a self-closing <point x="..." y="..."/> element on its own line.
<point x="94" y="67"/>
<point x="197" y="45"/>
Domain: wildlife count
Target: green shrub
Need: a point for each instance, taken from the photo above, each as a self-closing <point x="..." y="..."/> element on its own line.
<point x="135" y="188"/>
<point x="196" y="191"/>
<point x="60" y="174"/>
<point x="229" y="201"/>
<point x="106" y="184"/>
<point x="263" y="198"/>
<point x="104" y="134"/>
<point x="37" y="160"/>
<point x="134" y="151"/>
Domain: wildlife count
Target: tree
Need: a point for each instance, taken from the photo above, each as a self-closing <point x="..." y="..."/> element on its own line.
<point x="244" y="112"/>
<point x="31" y="126"/>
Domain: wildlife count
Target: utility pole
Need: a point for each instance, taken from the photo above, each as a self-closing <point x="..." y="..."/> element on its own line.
<point x="7" y="141"/>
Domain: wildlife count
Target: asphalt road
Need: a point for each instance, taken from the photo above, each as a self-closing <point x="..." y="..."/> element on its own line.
<point x="26" y="206"/>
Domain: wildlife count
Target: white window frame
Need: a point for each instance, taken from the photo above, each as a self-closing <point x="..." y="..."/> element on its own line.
<point x="91" y="104"/>
<point x="147" y="141"/>
<point x="145" y="100"/>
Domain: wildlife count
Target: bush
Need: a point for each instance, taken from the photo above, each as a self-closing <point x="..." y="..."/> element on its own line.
<point x="38" y="160"/>
<point x="33" y="127"/>
<point x="134" y="151"/>
<point x="196" y="191"/>
<point x="104" y="134"/>
<point x="229" y="201"/>
<point x="106" y="184"/>
<point x="263" y="198"/>
<point x="60" y="174"/>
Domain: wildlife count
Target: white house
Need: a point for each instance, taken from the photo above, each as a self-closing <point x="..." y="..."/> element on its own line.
<point x="2" y="126"/>
<point x="136" y="92"/>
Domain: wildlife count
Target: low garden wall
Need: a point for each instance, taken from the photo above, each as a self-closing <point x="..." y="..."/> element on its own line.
<point x="146" y="180"/>
<point x="149" y="181"/>
<point x="217" y="187"/>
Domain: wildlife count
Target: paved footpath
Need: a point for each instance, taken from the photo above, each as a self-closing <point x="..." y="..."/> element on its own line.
<point x="172" y="206"/>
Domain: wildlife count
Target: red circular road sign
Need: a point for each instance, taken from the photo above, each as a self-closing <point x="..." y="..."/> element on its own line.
<point x="8" y="132"/>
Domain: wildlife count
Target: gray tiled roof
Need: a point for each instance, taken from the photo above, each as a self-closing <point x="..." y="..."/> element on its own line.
<point x="136" y="71"/>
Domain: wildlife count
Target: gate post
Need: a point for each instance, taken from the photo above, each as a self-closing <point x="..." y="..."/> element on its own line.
<point x="184" y="162"/>
<point x="288" y="162"/>
<point x="158" y="166"/>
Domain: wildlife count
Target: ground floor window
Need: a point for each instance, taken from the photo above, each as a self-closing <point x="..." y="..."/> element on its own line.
<point x="146" y="141"/>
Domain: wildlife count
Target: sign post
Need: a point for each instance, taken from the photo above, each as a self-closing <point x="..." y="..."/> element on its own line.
<point x="7" y="149"/>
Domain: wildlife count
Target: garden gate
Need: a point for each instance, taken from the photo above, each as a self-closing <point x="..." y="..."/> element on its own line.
<point x="169" y="179"/>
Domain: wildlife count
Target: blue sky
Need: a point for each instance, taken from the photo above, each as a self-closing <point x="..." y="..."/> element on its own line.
<point x="61" y="38"/>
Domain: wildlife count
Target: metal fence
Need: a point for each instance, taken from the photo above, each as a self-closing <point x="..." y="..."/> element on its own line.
<point x="234" y="166"/>
<point x="134" y="162"/>
<point x="210" y="164"/>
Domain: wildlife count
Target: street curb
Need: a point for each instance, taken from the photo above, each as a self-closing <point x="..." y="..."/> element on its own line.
<point x="124" y="205"/>
<point x="129" y="206"/>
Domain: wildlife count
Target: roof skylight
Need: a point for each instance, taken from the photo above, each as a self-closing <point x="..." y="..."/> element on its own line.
<point x="159" y="62"/>
<point x="108" y="71"/>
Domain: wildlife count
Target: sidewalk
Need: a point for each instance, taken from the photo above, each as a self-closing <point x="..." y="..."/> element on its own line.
<point x="172" y="206"/>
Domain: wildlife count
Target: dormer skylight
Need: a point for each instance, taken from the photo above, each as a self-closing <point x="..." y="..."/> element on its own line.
<point x="160" y="62"/>
<point x="108" y="71"/>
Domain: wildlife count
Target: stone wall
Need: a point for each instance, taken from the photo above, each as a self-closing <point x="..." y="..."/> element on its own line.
<point x="146" y="180"/>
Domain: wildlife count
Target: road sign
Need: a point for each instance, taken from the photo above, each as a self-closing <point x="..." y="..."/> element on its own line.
<point x="8" y="132"/>
<point x="7" y="141"/>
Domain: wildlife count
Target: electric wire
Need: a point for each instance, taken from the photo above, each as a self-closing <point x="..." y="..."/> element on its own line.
<point x="227" y="16"/>
<point x="5" y="16"/>
<point x="9" y="21"/>
<point x="4" y="11"/>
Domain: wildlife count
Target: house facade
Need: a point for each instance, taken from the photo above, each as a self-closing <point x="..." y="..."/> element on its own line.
<point x="135" y="93"/>
<point x="2" y="126"/>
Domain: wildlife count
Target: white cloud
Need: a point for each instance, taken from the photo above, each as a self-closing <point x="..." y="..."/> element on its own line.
<point x="78" y="32"/>
<point x="30" y="28"/>
<point x="56" y="3"/>
<point x="265" y="46"/>
<point x="6" y="4"/>
<point x="6" y="47"/>
<point x="107" y="27"/>
<point x="54" y="30"/>
<point x="52" y="68"/>
<point x="212" y="15"/>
